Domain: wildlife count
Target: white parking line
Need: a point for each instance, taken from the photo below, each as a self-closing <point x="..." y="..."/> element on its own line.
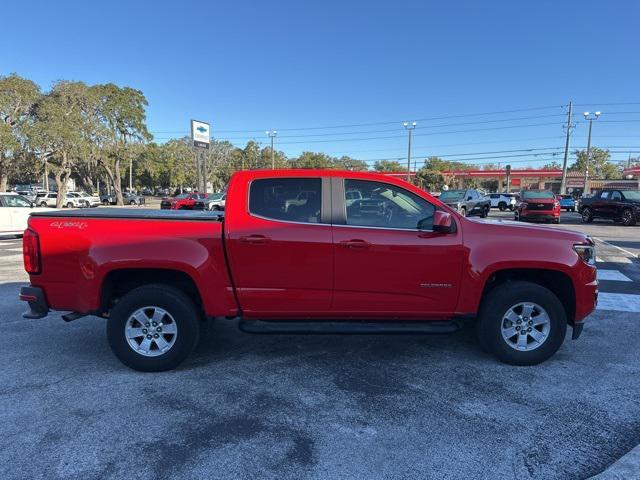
<point x="620" y="302"/>
<point x="613" y="275"/>
<point x="633" y="255"/>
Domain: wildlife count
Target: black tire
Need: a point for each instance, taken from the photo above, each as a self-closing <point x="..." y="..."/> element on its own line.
<point x="556" y="221"/>
<point x="628" y="218"/>
<point x="502" y="206"/>
<point x="485" y="212"/>
<point x="173" y="301"/>
<point x="587" y="215"/>
<point x="499" y="301"/>
<point x="69" y="205"/>
<point x="463" y="211"/>
<point x="132" y="202"/>
<point x="43" y="204"/>
<point x="105" y="203"/>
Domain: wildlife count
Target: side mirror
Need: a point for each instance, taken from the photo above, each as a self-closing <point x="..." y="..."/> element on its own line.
<point x="442" y="222"/>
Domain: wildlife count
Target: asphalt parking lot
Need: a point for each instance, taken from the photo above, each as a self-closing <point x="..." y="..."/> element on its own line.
<point x="250" y="406"/>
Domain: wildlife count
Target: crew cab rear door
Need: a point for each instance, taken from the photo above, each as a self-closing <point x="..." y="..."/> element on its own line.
<point x="280" y="248"/>
<point x="385" y="266"/>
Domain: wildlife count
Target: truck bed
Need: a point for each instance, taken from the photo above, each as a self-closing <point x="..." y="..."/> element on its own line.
<point x="133" y="213"/>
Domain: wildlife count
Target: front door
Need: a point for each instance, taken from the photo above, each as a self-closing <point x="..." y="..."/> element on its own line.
<point x="388" y="261"/>
<point x="280" y="248"/>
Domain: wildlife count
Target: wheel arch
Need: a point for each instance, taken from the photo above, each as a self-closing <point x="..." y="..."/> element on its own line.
<point x="118" y="282"/>
<point x="558" y="282"/>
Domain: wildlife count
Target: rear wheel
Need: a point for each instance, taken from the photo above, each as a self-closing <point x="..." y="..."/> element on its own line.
<point x="463" y="211"/>
<point x="502" y="206"/>
<point x="485" y="212"/>
<point x="132" y="202"/>
<point x="69" y="205"/>
<point x="627" y="217"/>
<point x="153" y="328"/>
<point x="556" y="221"/>
<point x="587" y="215"/>
<point x="43" y="204"/>
<point x="521" y="323"/>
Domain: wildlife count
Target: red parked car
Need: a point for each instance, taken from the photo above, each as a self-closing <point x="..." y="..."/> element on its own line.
<point x="538" y="205"/>
<point x="184" y="201"/>
<point x="389" y="259"/>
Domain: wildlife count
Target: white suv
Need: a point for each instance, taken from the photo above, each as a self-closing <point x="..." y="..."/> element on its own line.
<point x="503" y="201"/>
<point x="70" y="201"/>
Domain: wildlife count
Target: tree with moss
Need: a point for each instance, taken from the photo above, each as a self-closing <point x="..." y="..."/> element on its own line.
<point x="17" y="97"/>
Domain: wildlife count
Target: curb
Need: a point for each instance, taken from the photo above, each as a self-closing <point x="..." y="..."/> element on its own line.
<point x="625" y="468"/>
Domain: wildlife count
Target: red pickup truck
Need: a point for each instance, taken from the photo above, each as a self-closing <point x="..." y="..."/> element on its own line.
<point x="391" y="259"/>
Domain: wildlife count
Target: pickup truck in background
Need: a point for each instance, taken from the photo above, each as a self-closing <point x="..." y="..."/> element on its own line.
<point x="537" y="205"/>
<point x="395" y="260"/>
<point x="466" y="202"/>
<point x="618" y="205"/>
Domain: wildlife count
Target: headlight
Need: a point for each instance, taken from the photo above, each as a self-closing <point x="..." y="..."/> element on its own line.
<point x="556" y="204"/>
<point x="587" y="253"/>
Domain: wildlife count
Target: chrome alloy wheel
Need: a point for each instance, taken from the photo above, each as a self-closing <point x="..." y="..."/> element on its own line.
<point x="151" y="331"/>
<point x="525" y="326"/>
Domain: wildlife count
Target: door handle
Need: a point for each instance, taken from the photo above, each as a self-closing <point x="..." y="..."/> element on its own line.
<point x="255" y="239"/>
<point x="355" y="243"/>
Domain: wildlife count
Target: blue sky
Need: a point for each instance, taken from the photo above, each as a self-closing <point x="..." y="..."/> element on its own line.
<point x="251" y="66"/>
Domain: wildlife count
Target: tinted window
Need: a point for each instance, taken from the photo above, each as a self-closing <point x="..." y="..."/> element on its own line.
<point x="532" y="194"/>
<point x="388" y="206"/>
<point x="290" y="199"/>
<point x="16" y="201"/>
<point x="604" y="195"/>
<point x="616" y="196"/>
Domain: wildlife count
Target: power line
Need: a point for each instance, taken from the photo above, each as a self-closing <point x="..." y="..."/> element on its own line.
<point x="387" y="122"/>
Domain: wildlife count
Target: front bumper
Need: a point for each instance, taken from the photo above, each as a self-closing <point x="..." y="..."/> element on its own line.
<point x="34" y="296"/>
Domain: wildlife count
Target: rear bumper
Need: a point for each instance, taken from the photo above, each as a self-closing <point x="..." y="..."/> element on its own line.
<point x="34" y="296"/>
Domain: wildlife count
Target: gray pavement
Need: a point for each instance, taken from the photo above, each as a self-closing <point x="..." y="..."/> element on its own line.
<point x="249" y="406"/>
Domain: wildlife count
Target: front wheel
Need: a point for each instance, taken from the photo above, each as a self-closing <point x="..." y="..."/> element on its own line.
<point x="587" y="215"/>
<point x="43" y="204"/>
<point x="502" y="206"/>
<point x="132" y="202"/>
<point x="463" y="211"/>
<point x="485" y="212"/>
<point x="153" y="328"/>
<point x="69" y="205"/>
<point x="521" y="323"/>
<point x="627" y="218"/>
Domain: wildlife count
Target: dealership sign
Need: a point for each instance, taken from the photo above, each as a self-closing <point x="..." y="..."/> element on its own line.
<point x="200" y="134"/>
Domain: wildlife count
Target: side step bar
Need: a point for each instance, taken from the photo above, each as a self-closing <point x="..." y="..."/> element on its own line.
<point x="349" y="327"/>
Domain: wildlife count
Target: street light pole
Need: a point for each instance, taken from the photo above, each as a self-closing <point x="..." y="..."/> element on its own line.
<point x="568" y="127"/>
<point x="591" y="118"/>
<point x="272" y="134"/>
<point x="410" y="127"/>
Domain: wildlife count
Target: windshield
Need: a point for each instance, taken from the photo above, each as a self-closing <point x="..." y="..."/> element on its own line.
<point x="529" y="194"/>
<point x="633" y="195"/>
<point x="452" y="195"/>
<point x="182" y="196"/>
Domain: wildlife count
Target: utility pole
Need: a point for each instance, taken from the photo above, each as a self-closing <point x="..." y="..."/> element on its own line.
<point x="410" y="127"/>
<point x="568" y="127"/>
<point x="131" y="175"/>
<point x="272" y="134"/>
<point x="587" y="116"/>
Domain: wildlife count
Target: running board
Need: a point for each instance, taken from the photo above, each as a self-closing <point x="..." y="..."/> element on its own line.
<point x="349" y="327"/>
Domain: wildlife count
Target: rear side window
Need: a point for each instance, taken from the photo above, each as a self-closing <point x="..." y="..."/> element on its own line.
<point x="289" y="199"/>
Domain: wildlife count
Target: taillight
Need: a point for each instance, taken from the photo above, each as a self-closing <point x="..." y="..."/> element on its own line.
<point x="556" y="204"/>
<point x="31" y="252"/>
